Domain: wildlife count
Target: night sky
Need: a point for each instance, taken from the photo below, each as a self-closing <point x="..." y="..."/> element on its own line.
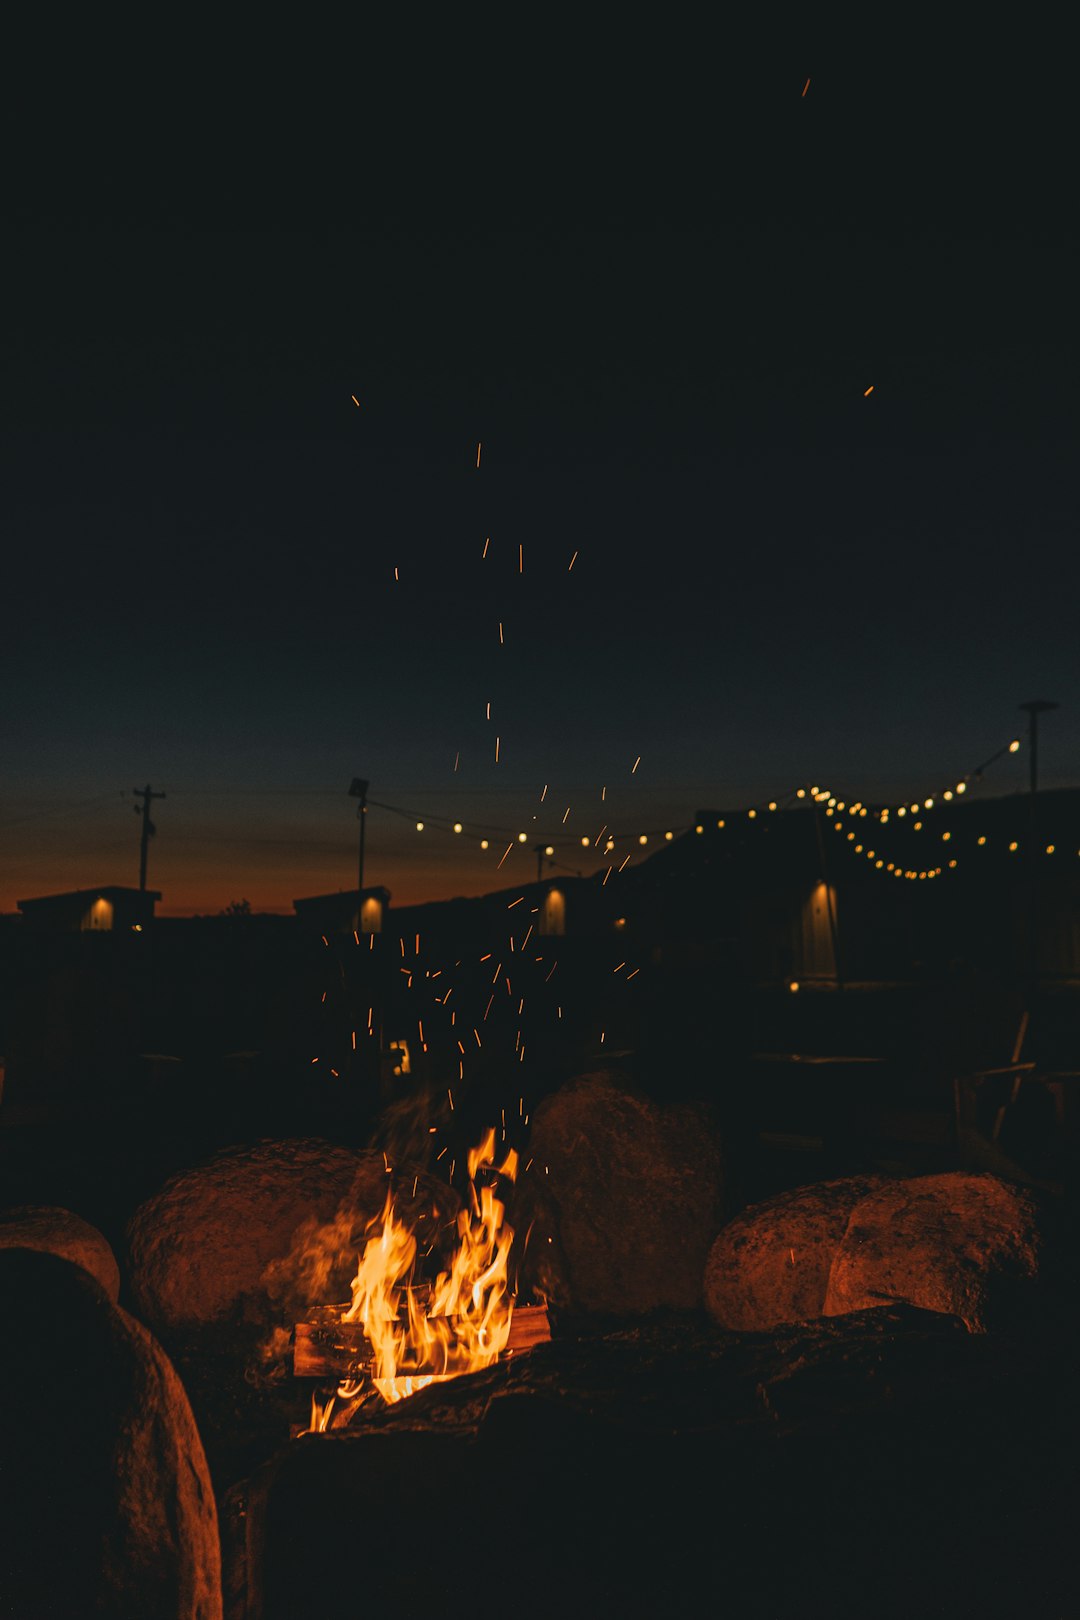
<point x="660" y="318"/>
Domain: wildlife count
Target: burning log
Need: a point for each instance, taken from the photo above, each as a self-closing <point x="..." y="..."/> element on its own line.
<point x="326" y="1347"/>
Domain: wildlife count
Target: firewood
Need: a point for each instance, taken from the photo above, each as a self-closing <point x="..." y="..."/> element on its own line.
<point x="327" y="1347"/>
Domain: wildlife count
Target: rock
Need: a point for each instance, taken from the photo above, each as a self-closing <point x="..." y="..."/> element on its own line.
<point x="771" y="1264"/>
<point x="626" y="1199"/>
<point x="199" y="1249"/>
<point x="106" y="1505"/>
<point x="961" y="1243"/>
<point x="60" y="1231"/>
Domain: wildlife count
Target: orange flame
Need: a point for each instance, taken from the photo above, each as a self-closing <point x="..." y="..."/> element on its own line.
<point x="464" y="1323"/>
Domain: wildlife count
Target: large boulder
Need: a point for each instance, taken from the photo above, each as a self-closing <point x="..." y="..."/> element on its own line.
<point x="60" y="1231"/>
<point x="771" y="1264"/>
<point x="967" y="1245"/>
<point x="200" y="1248"/>
<point x="106" y="1505"/>
<point x="625" y="1199"/>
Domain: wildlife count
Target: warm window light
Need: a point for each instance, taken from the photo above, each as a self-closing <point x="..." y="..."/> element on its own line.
<point x="523" y="838"/>
<point x="457" y="826"/>
<point x="643" y="839"/>
<point x="862" y="810"/>
<point x="549" y="849"/>
<point x="902" y="810"/>
<point x="839" y="804"/>
<point x="917" y="826"/>
<point x="720" y="823"/>
<point x="669" y="836"/>
<point x="751" y="814"/>
<point x="961" y="787"/>
<point x="1050" y="849"/>
<point x="699" y="828"/>
<point x="1014" y="746"/>
<point x="419" y="826"/>
<point x="879" y="864"/>
<point x="981" y="840"/>
<point x="945" y="837"/>
<point x="928" y="804"/>
<point x="483" y="843"/>
<point x="1013" y="846"/>
<point x="801" y="793"/>
<point x="914" y="809"/>
<point x="851" y="838"/>
<point x="772" y="804"/>
<point x="947" y="794"/>
<point x="952" y="863"/>
<point x="793" y="986"/>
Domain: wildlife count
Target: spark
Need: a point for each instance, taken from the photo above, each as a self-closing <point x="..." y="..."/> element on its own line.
<point x="484" y="553"/>
<point x="573" y="560"/>
<point x="806" y="87"/>
<point x="355" y="401"/>
<point x="625" y="859"/>
<point x="564" y="817"/>
<point x="516" y="902"/>
<point x="397" y="575"/>
<point x="478" y="455"/>
<point x="487" y="1009"/>
<point x="521" y="559"/>
<point x="457" y="762"/>
<point x="502" y="639"/>
<point x="867" y="391"/>
<point x="450" y="1094"/>
<point x="497" y="750"/>
<point x="476" y="1032"/>
<point x="635" y="765"/>
<point x="629" y="976"/>
<point x="543" y="795"/>
<point x="505" y="853"/>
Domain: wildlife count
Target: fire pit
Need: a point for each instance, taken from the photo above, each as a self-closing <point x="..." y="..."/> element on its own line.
<point x="400" y="1333"/>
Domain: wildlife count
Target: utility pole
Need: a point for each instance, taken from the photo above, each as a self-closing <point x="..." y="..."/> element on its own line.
<point x="358" y="790"/>
<point x="540" y="850"/>
<point x="1036" y="707"/>
<point x="148" y="828"/>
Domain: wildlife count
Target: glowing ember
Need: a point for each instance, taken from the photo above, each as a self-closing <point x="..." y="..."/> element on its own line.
<point x="463" y="1323"/>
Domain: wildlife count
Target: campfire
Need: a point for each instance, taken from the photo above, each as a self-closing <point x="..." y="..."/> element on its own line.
<point x="401" y="1332"/>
